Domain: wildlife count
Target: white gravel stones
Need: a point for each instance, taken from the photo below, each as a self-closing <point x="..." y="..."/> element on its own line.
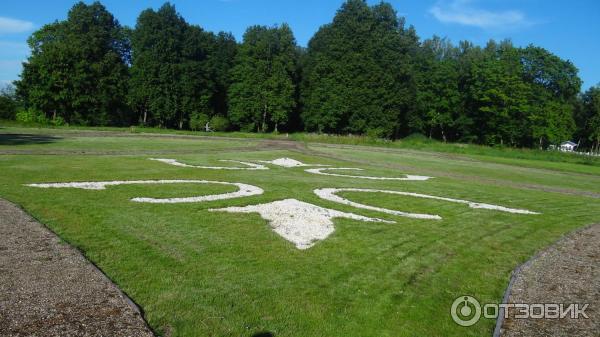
<point x="330" y="194"/>
<point x="320" y="171"/>
<point x="288" y="162"/>
<point x="250" y="166"/>
<point x="298" y="222"/>
<point x="245" y="190"/>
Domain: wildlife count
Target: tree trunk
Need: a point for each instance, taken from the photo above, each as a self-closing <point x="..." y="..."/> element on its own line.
<point x="54" y="115"/>
<point x="145" y="116"/>
<point x="264" y="121"/>
<point x="541" y="144"/>
<point x="276" y="127"/>
<point x="443" y="134"/>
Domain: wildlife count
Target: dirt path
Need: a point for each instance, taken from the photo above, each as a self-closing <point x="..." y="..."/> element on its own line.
<point x="567" y="272"/>
<point x="47" y="288"/>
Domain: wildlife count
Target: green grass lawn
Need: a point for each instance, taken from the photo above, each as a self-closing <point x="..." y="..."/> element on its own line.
<point x="201" y="273"/>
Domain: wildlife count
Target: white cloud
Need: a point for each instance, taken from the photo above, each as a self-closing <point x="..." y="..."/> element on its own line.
<point x="8" y="25"/>
<point x="461" y="12"/>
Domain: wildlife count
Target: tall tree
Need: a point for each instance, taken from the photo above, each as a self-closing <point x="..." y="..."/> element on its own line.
<point x="78" y="68"/>
<point x="554" y="87"/>
<point x="8" y="104"/>
<point x="359" y="75"/>
<point x="262" y="95"/>
<point x="438" y="97"/>
<point x="498" y="95"/>
<point x="589" y="118"/>
<point x="222" y="61"/>
<point x="170" y="78"/>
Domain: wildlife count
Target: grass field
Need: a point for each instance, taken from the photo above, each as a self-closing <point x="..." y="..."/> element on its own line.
<point x="201" y="273"/>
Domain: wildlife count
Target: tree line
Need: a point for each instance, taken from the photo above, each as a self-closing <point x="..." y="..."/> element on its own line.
<point x="365" y="72"/>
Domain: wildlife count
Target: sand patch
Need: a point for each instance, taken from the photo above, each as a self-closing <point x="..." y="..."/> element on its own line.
<point x="320" y="171"/>
<point x="288" y="162"/>
<point x="330" y="194"/>
<point x="250" y="166"/>
<point x="245" y="190"/>
<point x="299" y="222"/>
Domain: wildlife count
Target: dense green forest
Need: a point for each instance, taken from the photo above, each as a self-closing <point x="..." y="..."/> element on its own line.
<point x="365" y="72"/>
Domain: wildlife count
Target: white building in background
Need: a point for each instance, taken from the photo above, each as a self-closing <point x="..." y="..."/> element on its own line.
<point x="568" y="146"/>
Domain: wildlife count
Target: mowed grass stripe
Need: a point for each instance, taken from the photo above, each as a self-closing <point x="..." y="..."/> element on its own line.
<point x="199" y="273"/>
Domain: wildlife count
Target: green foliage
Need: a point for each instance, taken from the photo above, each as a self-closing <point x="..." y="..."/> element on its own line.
<point x="364" y="73"/>
<point x="219" y="123"/>
<point x="8" y="103"/>
<point x="589" y="118"/>
<point x="221" y="61"/>
<point x="31" y="116"/>
<point x="78" y="68"/>
<point x="201" y="273"/>
<point x="358" y="73"/>
<point x="198" y="121"/>
<point x="168" y="57"/>
<point x="497" y="95"/>
<point x="57" y="121"/>
<point x="178" y="69"/>
<point x="438" y="96"/>
<point x="262" y="94"/>
<point x="379" y="132"/>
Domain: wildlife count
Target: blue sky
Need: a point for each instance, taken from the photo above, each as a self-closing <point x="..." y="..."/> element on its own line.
<point x="570" y="29"/>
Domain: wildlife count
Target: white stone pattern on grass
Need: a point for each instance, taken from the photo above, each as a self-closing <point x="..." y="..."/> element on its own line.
<point x="245" y="190"/>
<point x="330" y="194"/>
<point x="288" y="162"/>
<point x="250" y="166"/>
<point x="320" y="171"/>
<point x="299" y="222"/>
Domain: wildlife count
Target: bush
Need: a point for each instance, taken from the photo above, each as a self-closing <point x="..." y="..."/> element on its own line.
<point x="58" y="121"/>
<point x="219" y="123"/>
<point x="376" y="133"/>
<point x="198" y="121"/>
<point x="8" y="107"/>
<point x="31" y="116"/>
<point x="418" y="138"/>
<point x="250" y="127"/>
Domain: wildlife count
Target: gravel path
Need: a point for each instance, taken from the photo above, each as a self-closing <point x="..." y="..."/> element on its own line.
<point x="567" y="272"/>
<point x="47" y="288"/>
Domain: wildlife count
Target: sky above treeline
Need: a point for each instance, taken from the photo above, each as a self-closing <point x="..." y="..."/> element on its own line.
<point x="569" y="29"/>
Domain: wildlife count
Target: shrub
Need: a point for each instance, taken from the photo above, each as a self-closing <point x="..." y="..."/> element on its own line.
<point x="375" y="133"/>
<point x="8" y="107"/>
<point x="219" y="123"/>
<point x="418" y="138"/>
<point x="31" y="116"/>
<point x="198" y="121"/>
<point x="250" y="127"/>
<point x="58" y="121"/>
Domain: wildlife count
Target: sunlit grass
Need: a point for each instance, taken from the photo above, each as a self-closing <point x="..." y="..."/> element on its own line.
<point x="201" y="273"/>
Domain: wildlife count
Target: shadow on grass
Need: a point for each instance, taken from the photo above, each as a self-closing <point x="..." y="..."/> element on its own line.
<point x="263" y="334"/>
<point x="24" y="139"/>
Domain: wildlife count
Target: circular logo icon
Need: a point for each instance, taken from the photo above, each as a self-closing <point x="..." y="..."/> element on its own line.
<point x="465" y="310"/>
